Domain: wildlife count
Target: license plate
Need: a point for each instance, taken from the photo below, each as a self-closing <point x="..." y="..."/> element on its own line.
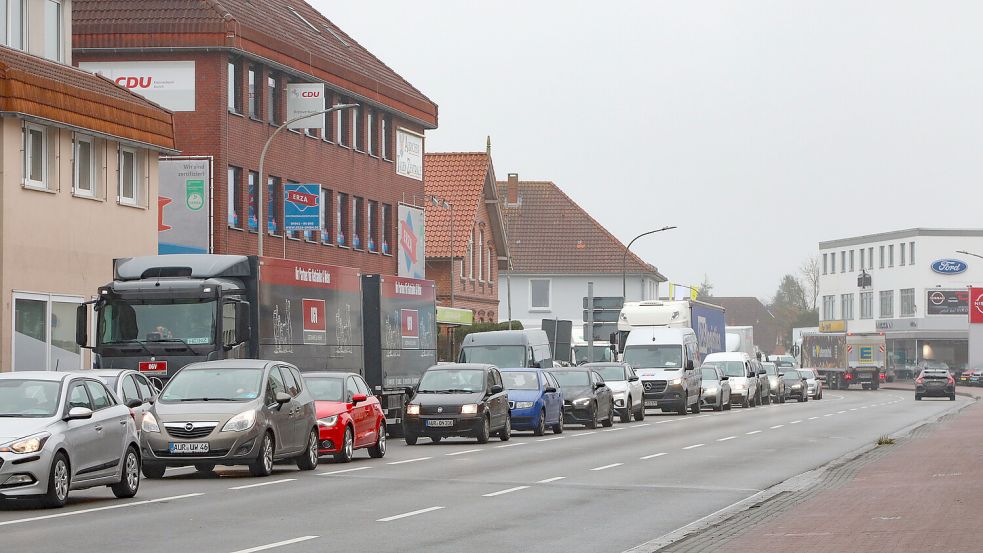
<point x="651" y="403"/>
<point x="189" y="447"/>
<point x="440" y="423"/>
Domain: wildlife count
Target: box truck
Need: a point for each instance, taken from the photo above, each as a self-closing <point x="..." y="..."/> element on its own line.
<point x="843" y="359"/>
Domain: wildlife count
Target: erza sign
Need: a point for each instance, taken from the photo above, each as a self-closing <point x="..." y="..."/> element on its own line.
<point x="949" y="266"/>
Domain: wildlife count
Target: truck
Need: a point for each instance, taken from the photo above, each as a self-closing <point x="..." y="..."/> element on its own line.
<point x="706" y="320"/>
<point x="161" y="313"/>
<point x="845" y="358"/>
<point x="741" y="339"/>
<point x="579" y="348"/>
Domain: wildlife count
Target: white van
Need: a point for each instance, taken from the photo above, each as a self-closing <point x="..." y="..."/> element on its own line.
<point x="665" y="361"/>
<point x="739" y="367"/>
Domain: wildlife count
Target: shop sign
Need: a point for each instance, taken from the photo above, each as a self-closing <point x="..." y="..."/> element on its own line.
<point x="976" y="305"/>
<point x="949" y="266"/>
<point x="168" y="83"/>
<point x="305" y="99"/>
<point x="832" y="326"/>
<point x="409" y="154"/>
<point x="947" y="302"/>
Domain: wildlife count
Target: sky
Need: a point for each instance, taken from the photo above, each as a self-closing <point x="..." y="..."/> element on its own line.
<point x="759" y="128"/>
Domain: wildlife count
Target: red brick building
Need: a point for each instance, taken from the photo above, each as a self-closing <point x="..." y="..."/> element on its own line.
<point x="224" y="65"/>
<point x="477" y="249"/>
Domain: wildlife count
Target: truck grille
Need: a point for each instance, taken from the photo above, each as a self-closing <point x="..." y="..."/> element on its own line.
<point x="655" y="386"/>
<point x="190" y="430"/>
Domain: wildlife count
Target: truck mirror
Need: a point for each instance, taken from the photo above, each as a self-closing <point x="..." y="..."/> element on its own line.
<point x="689" y="365"/>
<point x="242" y="322"/>
<point x="82" y="325"/>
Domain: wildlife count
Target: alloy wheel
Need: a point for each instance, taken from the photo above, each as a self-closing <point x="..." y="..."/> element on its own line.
<point x="61" y="480"/>
<point x="312" y="448"/>
<point x="132" y="470"/>
<point x="382" y="438"/>
<point x="268" y="454"/>
<point x="349" y="444"/>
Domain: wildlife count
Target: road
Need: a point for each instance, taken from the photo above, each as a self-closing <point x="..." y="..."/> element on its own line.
<point x="607" y="490"/>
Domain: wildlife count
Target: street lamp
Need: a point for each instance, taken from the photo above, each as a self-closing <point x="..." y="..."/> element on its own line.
<point x="969" y="253"/>
<point x="444" y="204"/>
<point x="260" y="208"/>
<point x="624" y="259"/>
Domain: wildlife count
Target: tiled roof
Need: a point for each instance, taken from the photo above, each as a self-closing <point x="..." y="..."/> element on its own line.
<point x="57" y="92"/>
<point x="550" y="234"/>
<point x="292" y="28"/>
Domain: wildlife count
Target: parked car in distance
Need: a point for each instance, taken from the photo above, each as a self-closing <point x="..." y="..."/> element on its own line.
<point x="776" y="386"/>
<point x="625" y="387"/>
<point x="61" y="432"/>
<point x="349" y="416"/>
<point x="935" y="383"/>
<point x="964" y="377"/>
<point x="976" y="377"/>
<point x="535" y="400"/>
<point x="132" y="388"/>
<point x="795" y="385"/>
<point x="716" y="388"/>
<point x="783" y="360"/>
<point x="743" y="381"/>
<point x="458" y="399"/>
<point x="233" y="412"/>
<point x="814" y="383"/>
<point x="587" y="400"/>
<point x="764" y="384"/>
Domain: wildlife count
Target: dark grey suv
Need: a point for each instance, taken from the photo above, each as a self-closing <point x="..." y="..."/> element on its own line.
<point x="935" y="383"/>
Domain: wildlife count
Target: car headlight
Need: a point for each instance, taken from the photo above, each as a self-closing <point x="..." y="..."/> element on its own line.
<point x="796" y="386"/>
<point x="520" y="405"/>
<point x="675" y="381"/>
<point x="469" y="408"/>
<point x="149" y="423"/>
<point x="711" y="391"/>
<point x="581" y="402"/>
<point x="413" y="409"/>
<point x="328" y="422"/>
<point x="737" y="385"/>
<point x="241" y="422"/>
<point x="30" y="444"/>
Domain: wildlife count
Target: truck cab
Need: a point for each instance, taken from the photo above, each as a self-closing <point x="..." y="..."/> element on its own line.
<point x="665" y="360"/>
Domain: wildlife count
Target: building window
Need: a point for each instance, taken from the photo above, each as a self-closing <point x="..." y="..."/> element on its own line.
<point x="890" y="255"/>
<point x="870" y="257"/>
<point x="326" y="216"/>
<point x="328" y="132"/>
<point x="842" y="261"/>
<point x="44" y="332"/>
<point x="254" y="96"/>
<point x="273" y="99"/>
<point x="53" y="30"/>
<point x="345" y="125"/>
<point x="253" y="182"/>
<point x="829" y="308"/>
<point x="825" y="264"/>
<point x="373" y="131"/>
<point x="84" y="170"/>
<point x="12" y="14"/>
<point x="539" y="294"/>
<point x="386" y="136"/>
<point x="358" y="129"/>
<point x="470" y="256"/>
<point x="832" y="263"/>
<point x="911" y="253"/>
<point x="373" y="220"/>
<point x="863" y="263"/>
<point x="36" y="156"/>
<point x="882" y="257"/>
<point x="358" y="218"/>
<point x="491" y="258"/>
<point x="846" y="307"/>
<point x="387" y="228"/>
<point x="851" y="261"/>
<point x="907" y="300"/>
<point x="343" y="214"/>
<point x="234" y="187"/>
<point x="866" y="305"/>
<point x="129" y="176"/>
<point x="902" y="247"/>
<point x="481" y="255"/>
<point x="887" y="304"/>
<point x="235" y="87"/>
<point x="274" y="193"/>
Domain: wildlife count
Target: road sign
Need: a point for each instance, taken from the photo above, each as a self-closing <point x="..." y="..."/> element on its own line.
<point x="558" y="332"/>
<point x="606" y="309"/>
<point x="301" y="207"/>
<point x="602" y="331"/>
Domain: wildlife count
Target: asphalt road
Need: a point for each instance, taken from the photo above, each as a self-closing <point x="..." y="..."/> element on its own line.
<point x="607" y="490"/>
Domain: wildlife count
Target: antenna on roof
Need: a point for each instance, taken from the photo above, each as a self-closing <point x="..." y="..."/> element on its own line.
<point x="488" y="145"/>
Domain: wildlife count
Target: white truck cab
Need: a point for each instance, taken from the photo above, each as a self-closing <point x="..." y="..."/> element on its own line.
<point x="665" y="361"/>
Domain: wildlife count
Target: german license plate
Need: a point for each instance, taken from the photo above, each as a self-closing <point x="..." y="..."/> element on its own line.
<point x="188" y="447"/>
<point x="651" y="403"/>
<point x="440" y="423"/>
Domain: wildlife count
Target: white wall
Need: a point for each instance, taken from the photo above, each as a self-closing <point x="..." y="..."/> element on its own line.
<point x="567" y="294"/>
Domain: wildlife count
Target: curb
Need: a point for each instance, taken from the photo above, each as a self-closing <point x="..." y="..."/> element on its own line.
<point x="958" y="393"/>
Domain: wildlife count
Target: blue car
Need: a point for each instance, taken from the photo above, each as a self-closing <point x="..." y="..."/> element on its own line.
<point x="535" y="400"/>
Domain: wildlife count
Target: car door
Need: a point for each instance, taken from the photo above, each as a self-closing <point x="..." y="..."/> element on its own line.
<point x="279" y="415"/>
<point x="81" y="435"/>
<point x="111" y="421"/>
<point x="127" y="391"/>
<point x="357" y="411"/>
<point x="549" y="398"/>
<point x="372" y="411"/>
<point x="603" y="406"/>
<point x="295" y="411"/>
<point x="498" y="402"/>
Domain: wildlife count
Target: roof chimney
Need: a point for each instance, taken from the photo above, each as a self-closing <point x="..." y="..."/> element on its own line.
<point x="512" y="191"/>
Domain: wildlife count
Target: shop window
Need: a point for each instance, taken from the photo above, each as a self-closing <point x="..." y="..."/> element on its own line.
<point x="327" y="215"/>
<point x="373" y="221"/>
<point x="358" y="218"/>
<point x="387" y="229"/>
<point x="234" y="192"/>
<point x="343" y="214"/>
<point x="539" y="294"/>
<point x="44" y="332"/>
<point x="253" y="182"/>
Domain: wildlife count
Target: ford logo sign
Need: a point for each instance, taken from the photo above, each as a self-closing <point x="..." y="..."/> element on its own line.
<point x="949" y="266"/>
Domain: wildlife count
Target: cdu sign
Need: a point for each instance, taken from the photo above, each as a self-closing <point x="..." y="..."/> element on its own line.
<point x="305" y="99"/>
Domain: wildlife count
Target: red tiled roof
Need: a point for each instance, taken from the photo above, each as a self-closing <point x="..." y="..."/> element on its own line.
<point x="252" y="25"/>
<point x="460" y="179"/>
<point x="57" y="92"/>
<point x="550" y="234"/>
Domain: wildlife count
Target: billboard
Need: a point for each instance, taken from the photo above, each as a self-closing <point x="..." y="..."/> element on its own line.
<point x="409" y="329"/>
<point x="304" y="99"/>
<point x="301" y="207"/>
<point x="409" y="154"/>
<point x="976" y="305"/>
<point x="168" y="83"/>
<point x="183" y="206"/>
<point x="832" y="326"/>
<point x="947" y="302"/>
<point x="412" y="261"/>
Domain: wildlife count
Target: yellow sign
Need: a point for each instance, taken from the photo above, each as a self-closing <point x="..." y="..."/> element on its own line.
<point x="832" y="326"/>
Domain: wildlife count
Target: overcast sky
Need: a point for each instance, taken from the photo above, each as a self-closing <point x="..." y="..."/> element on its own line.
<point x="758" y="128"/>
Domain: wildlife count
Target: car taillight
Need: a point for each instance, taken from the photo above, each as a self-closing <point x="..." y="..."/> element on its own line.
<point x="919" y="380"/>
<point x="848" y="376"/>
<point x="951" y="380"/>
<point x="883" y="376"/>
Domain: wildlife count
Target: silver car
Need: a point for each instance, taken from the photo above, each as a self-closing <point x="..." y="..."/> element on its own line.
<point x="814" y="383"/>
<point x="776" y="386"/>
<point x="715" y="388"/>
<point x="625" y="387"/>
<point x="62" y="432"/>
<point x="131" y="387"/>
<point x="232" y="412"/>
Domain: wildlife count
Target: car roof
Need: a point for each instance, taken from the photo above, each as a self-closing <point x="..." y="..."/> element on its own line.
<point x="37" y="375"/>
<point x="578" y="368"/>
<point x="529" y="336"/>
<point x="459" y="366"/>
<point x="727" y="356"/>
<point x="235" y="364"/>
<point x="520" y="369"/>
<point x="106" y="372"/>
<point x="329" y="374"/>
<point x="603" y="364"/>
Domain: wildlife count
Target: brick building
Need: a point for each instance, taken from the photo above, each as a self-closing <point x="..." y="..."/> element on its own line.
<point x="222" y="66"/>
<point x="466" y="181"/>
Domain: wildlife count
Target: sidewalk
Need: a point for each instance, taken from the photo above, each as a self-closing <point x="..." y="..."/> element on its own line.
<point x="923" y="493"/>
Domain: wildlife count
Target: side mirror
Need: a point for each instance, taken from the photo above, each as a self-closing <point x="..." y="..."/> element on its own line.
<point x="497" y="389"/>
<point x="689" y="365"/>
<point x="409" y="391"/>
<point x="82" y="326"/>
<point x="359" y="398"/>
<point x="599" y="385"/>
<point x="282" y="397"/>
<point x="134" y="403"/>
<point x="79" y="413"/>
<point x="723" y="378"/>
<point x="549" y="390"/>
<point x="243" y="327"/>
<point x="633" y="378"/>
<point x="781" y="374"/>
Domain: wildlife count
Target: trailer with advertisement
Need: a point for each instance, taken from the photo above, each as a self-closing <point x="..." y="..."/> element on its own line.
<point x="843" y="359"/>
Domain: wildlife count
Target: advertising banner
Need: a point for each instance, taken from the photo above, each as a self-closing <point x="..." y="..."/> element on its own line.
<point x="168" y="83"/>
<point x="832" y="326"/>
<point x="301" y="207"/>
<point x="409" y="329"/>
<point x="976" y="305"/>
<point x="409" y="154"/>
<point x="947" y="302"/>
<point x="183" y="206"/>
<point x="412" y="261"/>
<point x="304" y="99"/>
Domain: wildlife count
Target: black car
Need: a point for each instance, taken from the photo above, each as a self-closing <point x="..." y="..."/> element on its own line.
<point x="795" y="385"/>
<point x="935" y="383"/>
<point x="587" y="399"/>
<point x="458" y="399"/>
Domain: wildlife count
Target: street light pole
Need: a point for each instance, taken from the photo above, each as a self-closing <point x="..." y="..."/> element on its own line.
<point x="260" y="208"/>
<point x="969" y="253"/>
<point x="624" y="260"/>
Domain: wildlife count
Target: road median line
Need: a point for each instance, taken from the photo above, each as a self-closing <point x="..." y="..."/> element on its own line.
<point x="277" y="544"/>
<point x="97" y="509"/>
<point x="409" y="514"/>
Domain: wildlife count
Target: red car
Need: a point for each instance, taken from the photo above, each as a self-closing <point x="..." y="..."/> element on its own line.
<point x="349" y="417"/>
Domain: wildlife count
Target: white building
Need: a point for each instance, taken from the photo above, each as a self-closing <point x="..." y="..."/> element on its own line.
<point x="916" y="294"/>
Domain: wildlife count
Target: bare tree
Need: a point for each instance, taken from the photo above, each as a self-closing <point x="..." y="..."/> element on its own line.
<point x="705" y="290"/>
<point x="810" y="273"/>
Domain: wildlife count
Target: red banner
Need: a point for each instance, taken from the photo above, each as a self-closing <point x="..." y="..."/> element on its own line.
<point x="976" y="305"/>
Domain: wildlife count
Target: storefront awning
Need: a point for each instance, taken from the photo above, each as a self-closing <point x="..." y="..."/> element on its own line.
<point x="454" y="317"/>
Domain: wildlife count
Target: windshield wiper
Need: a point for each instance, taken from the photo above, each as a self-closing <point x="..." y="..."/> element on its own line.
<point x="14" y="415"/>
<point x="207" y="399"/>
<point x="458" y="391"/>
<point x="173" y="340"/>
<point x="133" y="341"/>
<point x="427" y="391"/>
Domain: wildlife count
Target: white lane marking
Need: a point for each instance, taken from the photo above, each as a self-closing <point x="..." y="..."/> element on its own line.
<point x="275" y="545"/>
<point x="271" y="482"/>
<point x="853" y="408"/>
<point x="613" y="429"/>
<point x="461" y="452"/>
<point x="409" y="514"/>
<point x="605" y="467"/>
<point x="653" y="456"/>
<point x="96" y="509"/>
<point x="694" y="446"/>
<point x="409" y="460"/>
<point x="796" y="422"/>
<point x="829" y="414"/>
<point x="584" y="433"/>
<point x="753" y="432"/>
<point x="343" y="470"/>
<point x="727" y="438"/>
<point x="863" y="407"/>
<point x="551" y="439"/>
<point x="548" y="480"/>
<point x="503" y="492"/>
<point x="776" y="426"/>
<point x="665" y="421"/>
<point x="813" y="418"/>
<point x="840" y="412"/>
<point x="640" y="425"/>
<point x="510" y="445"/>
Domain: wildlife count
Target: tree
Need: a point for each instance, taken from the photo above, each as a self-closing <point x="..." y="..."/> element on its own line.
<point x="810" y="272"/>
<point x="788" y="306"/>
<point x="705" y="291"/>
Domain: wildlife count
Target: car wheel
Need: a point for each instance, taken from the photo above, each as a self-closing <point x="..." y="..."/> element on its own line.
<point x="625" y="415"/>
<point x="952" y="396"/>
<point x="347" y="447"/>
<point x="59" y="482"/>
<point x="378" y="451"/>
<point x="263" y="465"/>
<point x="484" y="432"/>
<point x="541" y="427"/>
<point x="436" y="439"/>
<point x="728" y="405"/>
<point x="918" y="397"/>
<point x="640" y="414"/>
<point x="308" y="459"/>
<point x="609" y="420"/>
<point x="745" y="402"/>
<point x="410" y="439"/>
<point x="593" y="417"/>
<point x="204" y="467"/>
<point x="129" y="480"/>
<point x="695" y="408"/>
<point x="558" y="427"/>
<point x="506" y="432"/>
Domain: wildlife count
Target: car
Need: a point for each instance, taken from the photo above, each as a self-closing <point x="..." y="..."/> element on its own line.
<point x="587" y="400"/>
<point x="349" y="416"/>
<point x="795" y="385"/>
<point x="814" y="383"/>
<point x="963" y="378"/>
<point x="250" y="412"/>
<point x="131" y="388"/>
<point x="743" y="381"/>
<point x="535" y="400"/>
<point x="61" y="432"/>
<point x="764" y="384"/>
<point x="716" y="388"/>
<point x="976" y="377"/>
<point x="776" y="386"/>
<point x="458" y="399"/>
<point x="783" y="360"/>
<point x="935" y="383"/>
<point x="626" y="388"/>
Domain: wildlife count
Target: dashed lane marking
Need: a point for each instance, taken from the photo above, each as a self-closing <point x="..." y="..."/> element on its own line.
<point x="753" y="432"/>
<point x="548" y="480"/>
<point x="271" y="482"/>
<point x="510" y="445"/>
<point x="503" y="492"/>
<point x="694" y="446"/>
<point x="404" y="461"/>
<point x="409" y="514"/>
<point x="613" y="429"/>
<point x="606" y="467"/>
<point x="585" y="433"/>
<point x="551" y="439"/>
<point x="275" y="545"/>
<point x="727" y="438"/>
<point x="343" y="471"/>
<point x="776" y="426"/>
<point x="796" y="422"/>
<point x="462" y="452"/>
<point x="96" y="509"/>
<point x="653" y="456"/>
<point x="640" y="425"/>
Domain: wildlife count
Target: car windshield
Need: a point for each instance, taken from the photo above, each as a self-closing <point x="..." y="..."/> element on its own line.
<point x="806" y="373"/>
<point x="29" y="398"/>
<point x="226" y="384"/>
<point x="462" y="381"/>
<point x="601" y="354"/>
<point x="936" y="365"/>
<point x="770" y="368"/>
<point x="611" y="373"/>
<point x="731" y="368"/>
<point x="655" y="356"/>
<point x="568" y="379"/>
<point x="524" y="380"/>
<point x="326" y="388"/>
<point x="191" y="321"/>
<point x="500" y="356"/>
<point x="784" y="363"/>
<point x="708" y="373"/>
<point x="791" y="375"/>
